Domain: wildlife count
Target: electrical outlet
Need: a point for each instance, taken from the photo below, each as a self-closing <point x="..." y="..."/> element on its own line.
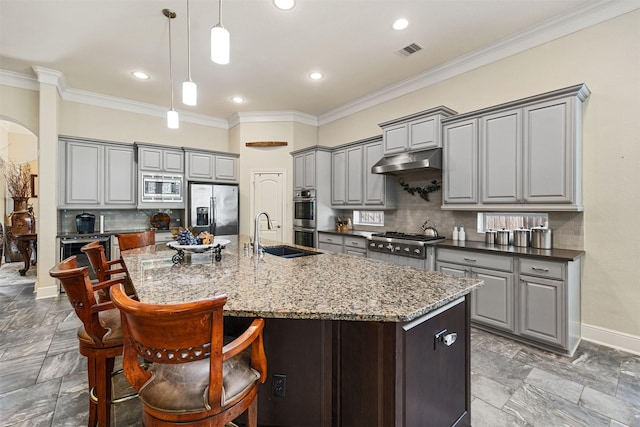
<point x="279" y="385"/>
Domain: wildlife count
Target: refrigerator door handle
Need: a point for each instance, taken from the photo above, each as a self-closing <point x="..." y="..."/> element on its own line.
<point x="212" y="226"/>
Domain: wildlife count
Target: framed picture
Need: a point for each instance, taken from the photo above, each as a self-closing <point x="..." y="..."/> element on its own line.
<point x="34" y="185"/>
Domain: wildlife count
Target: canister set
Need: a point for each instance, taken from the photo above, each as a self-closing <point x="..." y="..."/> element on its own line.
<point x="537" y="237"/>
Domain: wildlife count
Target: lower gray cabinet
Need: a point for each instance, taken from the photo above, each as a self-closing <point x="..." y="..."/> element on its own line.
<point x="493" y="303"/>
<point x="330" y="242"/>
<point x="344" y="244"/>
<point x="542" y="311"/>
<point x="530" y="299"/>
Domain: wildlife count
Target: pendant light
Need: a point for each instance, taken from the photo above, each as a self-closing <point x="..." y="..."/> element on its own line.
<point x="220" y="40"/>
<point x="189" y="88"/>
<point x="173" y="120"/>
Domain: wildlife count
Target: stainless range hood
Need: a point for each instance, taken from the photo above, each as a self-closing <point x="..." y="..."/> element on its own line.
<point x="407" y="162"/>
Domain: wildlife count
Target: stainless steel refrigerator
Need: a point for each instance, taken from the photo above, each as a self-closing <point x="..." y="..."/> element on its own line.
<point x="213" y="208"/>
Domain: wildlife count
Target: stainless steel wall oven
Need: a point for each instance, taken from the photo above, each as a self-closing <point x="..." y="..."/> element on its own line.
<point x="304" y="209"/>
<point x="304" y="237"/>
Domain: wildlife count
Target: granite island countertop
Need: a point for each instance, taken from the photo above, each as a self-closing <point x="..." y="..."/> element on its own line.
<point x="328" y="286"/>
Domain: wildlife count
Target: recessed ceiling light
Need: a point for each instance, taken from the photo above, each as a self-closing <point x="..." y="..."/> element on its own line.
<point x="284" y="4"/>
<point x="400" y="24"/>
<point x="316" y="75"/>
<point x="140" y="75"/>
<point x="237" y="99"/>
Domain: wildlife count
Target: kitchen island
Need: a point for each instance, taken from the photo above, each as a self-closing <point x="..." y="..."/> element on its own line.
<point x="349" y="341"/>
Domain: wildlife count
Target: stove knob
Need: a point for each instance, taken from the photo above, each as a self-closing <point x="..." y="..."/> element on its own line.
<point x="372" y="245"/>
<point x="407" y="250"/>
<point x="380" y="246"/>
<point x="417" y="251"/>
<point x="397" y="248"/>
<point x="390" y="247"/>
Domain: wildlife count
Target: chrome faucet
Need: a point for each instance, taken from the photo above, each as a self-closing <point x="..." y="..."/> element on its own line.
<point x="256" y="239"/>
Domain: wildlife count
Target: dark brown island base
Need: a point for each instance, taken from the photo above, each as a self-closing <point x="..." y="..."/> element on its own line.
<point x="350" y="341"/>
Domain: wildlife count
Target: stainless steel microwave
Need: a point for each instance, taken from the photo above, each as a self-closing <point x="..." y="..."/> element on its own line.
<point x="162" y="188"/>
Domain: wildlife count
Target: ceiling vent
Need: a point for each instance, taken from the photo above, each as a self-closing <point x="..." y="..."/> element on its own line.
<point x="410" y="49"/>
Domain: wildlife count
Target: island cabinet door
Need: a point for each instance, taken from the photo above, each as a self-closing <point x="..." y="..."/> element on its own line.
<point x="435" y="368"/>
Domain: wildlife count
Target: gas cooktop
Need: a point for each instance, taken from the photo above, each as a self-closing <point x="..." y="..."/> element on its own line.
<point x="395" y="235"/>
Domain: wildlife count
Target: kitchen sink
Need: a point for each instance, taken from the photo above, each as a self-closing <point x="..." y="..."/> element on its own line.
<point x="285" y="251"/>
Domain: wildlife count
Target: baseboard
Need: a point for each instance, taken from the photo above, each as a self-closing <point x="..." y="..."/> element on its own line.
<point x="610" y="338"/>
<point x="47" y="292"/>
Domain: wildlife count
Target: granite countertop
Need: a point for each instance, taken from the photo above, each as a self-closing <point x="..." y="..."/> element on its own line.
<point x="548" y="254"/>
<point x="348" y="232"/>
<point x="328" y="286"/>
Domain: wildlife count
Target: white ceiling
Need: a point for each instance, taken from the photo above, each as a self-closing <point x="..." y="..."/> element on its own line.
<point x="96" y="44"/>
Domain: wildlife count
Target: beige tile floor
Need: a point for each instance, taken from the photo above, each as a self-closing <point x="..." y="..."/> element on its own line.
<point x="43" y="377"/>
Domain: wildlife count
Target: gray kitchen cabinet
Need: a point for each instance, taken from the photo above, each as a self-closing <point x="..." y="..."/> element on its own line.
<point x="542" y="309"/>
<point x="96" y="174"/>
<point x="209" y="166"/>
<point x="330" y="242"/>
<point x="419" y="131"/>
<point x="159" y="159"/>
<point x="460" y="162"/>
<point x="529" y="155"/>
<point x="304" y="170"/>
<point x="354" y="175"/>
<point x="493" y="303"/>
<point x="551" y="153"/>
<point x="344" y="244"/>
<point x="353" y="186"/>
<point x="529" y="299"/>
<point x="339" y="177"/>
<point x="501" y="157"/>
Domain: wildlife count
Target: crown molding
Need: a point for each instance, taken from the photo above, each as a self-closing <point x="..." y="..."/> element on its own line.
<point x="273" y="116"/>
<point x="18" y="80"/>
<point x="591" y="14"/>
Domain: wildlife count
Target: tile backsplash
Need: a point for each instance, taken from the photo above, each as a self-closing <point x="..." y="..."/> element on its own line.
<point x="413" y="211"/>
<point x="117" y="220"/>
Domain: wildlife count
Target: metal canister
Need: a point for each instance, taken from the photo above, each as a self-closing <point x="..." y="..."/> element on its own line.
<point x="541" y="238"/>
<point x="490" y="237"/>
<point x="503" y="237"/>
<point x="521" y="237"/>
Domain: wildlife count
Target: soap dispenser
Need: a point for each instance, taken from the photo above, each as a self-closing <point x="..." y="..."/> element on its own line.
<point x="461" y="234"/>
<point x="455" y="236"/>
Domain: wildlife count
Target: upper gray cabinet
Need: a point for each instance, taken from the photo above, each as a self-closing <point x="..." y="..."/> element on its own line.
<point x="523" y="155"/>
<point x="159" y="159"/>
<point x="96" y="174"/>
<point x="353" y="186"/>
<point x="304" y="170"/>
<point x="210" y="166"/>
<point x="418" y="131"/>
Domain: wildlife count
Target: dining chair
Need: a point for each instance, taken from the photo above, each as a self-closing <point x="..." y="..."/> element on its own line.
<point x="99" y="337"/>
<point x="198" y="378"/>
<point x="128" y="241"/>
<point x="106" y="270"/>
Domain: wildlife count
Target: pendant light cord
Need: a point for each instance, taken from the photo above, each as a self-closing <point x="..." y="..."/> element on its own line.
<point x="188" y="41"/>
<point x="170" y="61"/>
<point x="220" y="13"/>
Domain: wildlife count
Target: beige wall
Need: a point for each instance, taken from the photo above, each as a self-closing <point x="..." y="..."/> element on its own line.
<point x="607" y="58"/>
<point x="20" y="106"/>
<point x="112" y="125"/>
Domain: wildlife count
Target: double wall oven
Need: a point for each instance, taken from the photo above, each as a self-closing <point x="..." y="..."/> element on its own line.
<point x="304" y="218"/>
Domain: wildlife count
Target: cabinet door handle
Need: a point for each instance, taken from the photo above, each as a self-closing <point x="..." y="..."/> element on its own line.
<point x="329" y="240"/>
<point x="546" y="270"/>
<point x="470" y="259"/>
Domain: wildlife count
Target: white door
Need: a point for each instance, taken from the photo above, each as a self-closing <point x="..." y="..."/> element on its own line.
<point x="268" y="196"/>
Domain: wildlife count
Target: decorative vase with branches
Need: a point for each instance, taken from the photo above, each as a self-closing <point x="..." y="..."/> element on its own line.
<point x="18" y="179"/>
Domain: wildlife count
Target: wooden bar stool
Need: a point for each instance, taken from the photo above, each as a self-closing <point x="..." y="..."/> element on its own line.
<point x="195" y="379"/>
<point x="106" y="270"/>
<point x="136" y="240"/>
<point x="99" y="337"/>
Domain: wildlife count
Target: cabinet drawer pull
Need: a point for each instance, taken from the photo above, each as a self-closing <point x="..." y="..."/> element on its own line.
<point x="546" y="270"/>
<point x="329" y="240"/>
<point x="470" y="259"/>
